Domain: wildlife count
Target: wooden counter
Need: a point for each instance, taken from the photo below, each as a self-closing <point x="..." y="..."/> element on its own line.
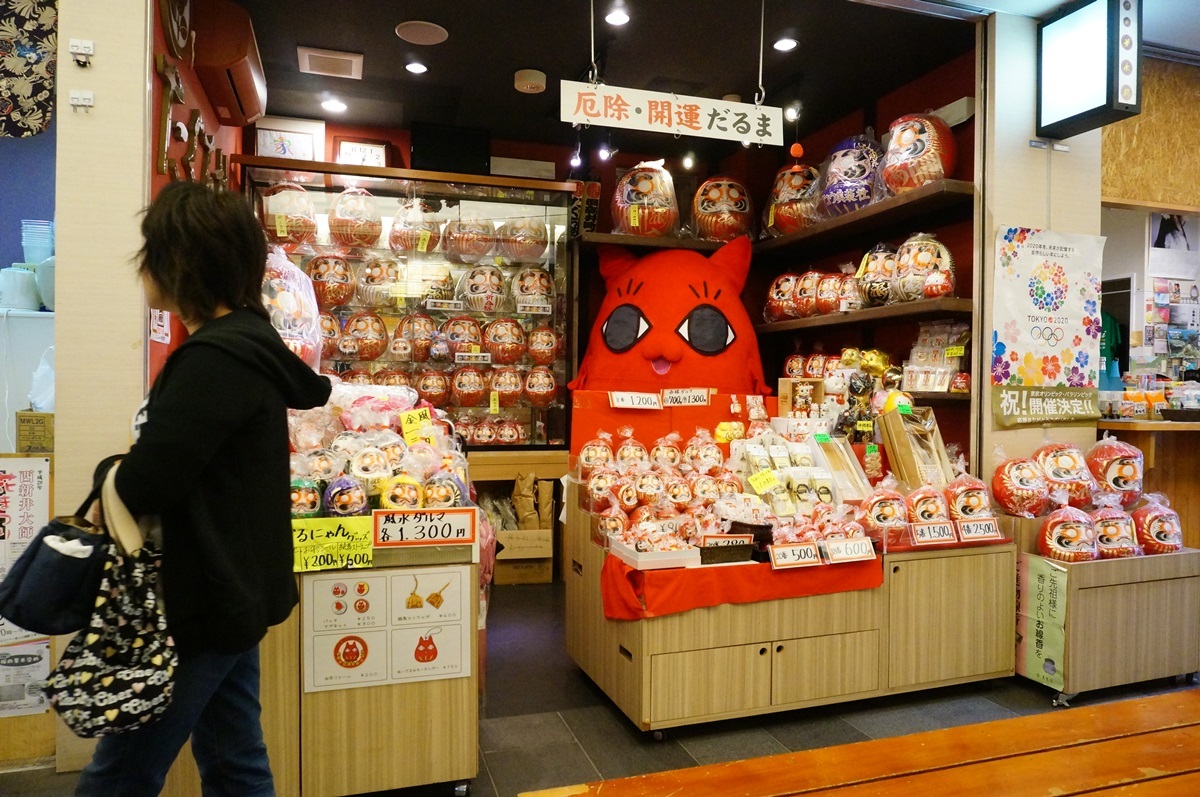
<point x="1172" y="459"/>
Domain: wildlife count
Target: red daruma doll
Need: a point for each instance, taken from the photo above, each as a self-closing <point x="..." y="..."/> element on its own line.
<point x="1157" y="526"/>
<point x="1117" y="467"/>
<point x="1064" y="468"/>
<point x="722" y="210"/>
<point x="644" y="201"/>
<point x="921" y="150"/>
<point x="1020" y="488"/>
<point x="1115" y="535"/>
<point x="1067" y="533"/>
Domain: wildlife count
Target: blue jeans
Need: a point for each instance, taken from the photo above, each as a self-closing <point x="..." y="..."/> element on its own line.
<point x="216" y="703"/>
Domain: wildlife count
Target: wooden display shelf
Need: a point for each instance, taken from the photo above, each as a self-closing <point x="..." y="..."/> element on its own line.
<point x="1150" y="426"/>
<point x="504" y="465"/>
<point x="646" y="241"/>
<point x="945" y="305"/>
<point x="939" y="398"/>
<point x="939" y="195"/>
<point x="737" y="660"/>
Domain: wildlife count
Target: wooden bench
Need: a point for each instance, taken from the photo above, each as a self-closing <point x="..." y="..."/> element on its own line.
<point x="1144" y="747"/>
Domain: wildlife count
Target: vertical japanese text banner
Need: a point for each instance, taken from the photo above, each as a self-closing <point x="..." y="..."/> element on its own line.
<point x="24" y="509"/>
<point x="1046" y="327"/>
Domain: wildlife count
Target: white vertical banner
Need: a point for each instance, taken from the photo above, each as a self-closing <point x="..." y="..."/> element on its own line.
<point x="1046" y="327"/>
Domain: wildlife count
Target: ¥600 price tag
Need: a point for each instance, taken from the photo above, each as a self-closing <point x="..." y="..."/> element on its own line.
<point x="854" y="549"/>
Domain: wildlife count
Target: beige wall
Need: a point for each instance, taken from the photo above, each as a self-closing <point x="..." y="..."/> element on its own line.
<point x="1027" y="187"/>
<point x="102" y="182"/>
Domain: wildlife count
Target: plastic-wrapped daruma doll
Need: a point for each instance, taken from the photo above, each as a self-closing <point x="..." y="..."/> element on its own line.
<point x="779" y="298"/>
<point x="850" y="175"/>
<point x="644" y="201"/>
<point x="1117" y="467"/>
<point x="795" y="200"/>
<point x="1064" y="468"/>
<point x="1157" y="526"/>
<point x="1020" y="488"/>
<point x="1115" y="534"/>
<point x="921" y="150"/>
<point x="722" y="210"/>
<point x="967" y="498"/>
<point x="1068" y="534"/>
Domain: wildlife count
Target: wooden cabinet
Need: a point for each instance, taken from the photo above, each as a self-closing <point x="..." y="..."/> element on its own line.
<point x="942" y="615"/>
<point x="940" y="618"/>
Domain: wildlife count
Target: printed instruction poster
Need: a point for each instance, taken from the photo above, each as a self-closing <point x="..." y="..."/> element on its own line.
<point x="369" y="628"/>
<point x="1041" y="620"/>
<point x="24" y="669"/>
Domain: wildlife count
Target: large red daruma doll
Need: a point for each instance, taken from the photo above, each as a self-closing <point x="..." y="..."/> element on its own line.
<point x="795" y="200"/>
<point x="1157" y="526"/>
<point x="644" y="201"/>
<point x="1020" y="488"/>
<point x="673" y="319"/>
<point x="1065" y="469"/>
<point x="1117" y="467"/>
<point x="921" y="150"/>
<point x="722" y="210"/>
<point x="1068" y="536"/>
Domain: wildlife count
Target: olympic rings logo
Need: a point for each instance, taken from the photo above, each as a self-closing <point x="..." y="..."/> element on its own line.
<point x="1051" y="335"/>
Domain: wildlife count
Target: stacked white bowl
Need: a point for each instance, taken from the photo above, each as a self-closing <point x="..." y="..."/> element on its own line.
<point x="37" y="239"/>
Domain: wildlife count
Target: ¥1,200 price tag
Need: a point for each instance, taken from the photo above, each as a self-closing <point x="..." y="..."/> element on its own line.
<point x="796" y="554"/>
<point x="853" y="549"/>
<point x="416" y="527"/>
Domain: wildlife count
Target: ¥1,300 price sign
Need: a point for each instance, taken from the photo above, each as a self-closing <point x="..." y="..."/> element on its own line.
<point x="417" y="527"/>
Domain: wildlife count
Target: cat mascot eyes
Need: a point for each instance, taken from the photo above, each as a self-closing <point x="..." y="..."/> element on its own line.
<point x="673" y="319"/>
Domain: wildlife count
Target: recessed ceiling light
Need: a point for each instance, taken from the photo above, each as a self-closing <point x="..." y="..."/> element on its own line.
<point x="417" y="68"/>
<point x="420" y="32"/>
<point x="336" y="106"/>
<point x="688" y="161"/>
<point x="617" y="17"/>
<point x="785" y="45"/>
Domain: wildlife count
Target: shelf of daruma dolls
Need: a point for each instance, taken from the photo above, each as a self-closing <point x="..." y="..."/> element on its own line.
<point x="504" y="465"/>
<point x="943" y="305"/>
<point x="660" y="242"/>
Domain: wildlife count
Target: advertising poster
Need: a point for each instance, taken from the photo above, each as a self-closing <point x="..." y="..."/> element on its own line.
<point x="24" y="668"/>
<point x="367" y="628"/>
<point x="1041" y="620"/>
<point x="1046" y="335"/>
<point x="24" y="510"/>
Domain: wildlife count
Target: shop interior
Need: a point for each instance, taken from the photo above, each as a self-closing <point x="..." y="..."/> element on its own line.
<point x="475" y="121"/>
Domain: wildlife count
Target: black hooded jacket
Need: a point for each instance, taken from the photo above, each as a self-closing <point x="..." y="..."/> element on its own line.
<point x="212" y="460"/>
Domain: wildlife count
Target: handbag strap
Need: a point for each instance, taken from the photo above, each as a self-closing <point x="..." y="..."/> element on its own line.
<point x="98" y="476"/>
<point x="118" y="520"/>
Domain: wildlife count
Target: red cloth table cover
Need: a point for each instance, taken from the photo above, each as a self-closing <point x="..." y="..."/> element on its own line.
<point x="630" y="594"/>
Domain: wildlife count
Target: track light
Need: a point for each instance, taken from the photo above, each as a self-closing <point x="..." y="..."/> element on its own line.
<point x="688" y="162"/>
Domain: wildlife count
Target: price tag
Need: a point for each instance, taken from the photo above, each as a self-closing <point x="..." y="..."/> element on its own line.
<point x="779" y="456"/>
<point x="493" y="403"/>
<point x="938" y="532"/>
<point x="473" y="357"/>
<point x="771" y="215"/>
<point x="280" y="225"/>
<point x="443" y="304"/>
<point x="413" y="423"/>
<point x="821" y="437"/>
<point x="956" y="351"/>
<point x="796" y="554"/>
<point x="685" y="397"/>
<point x="982" y="529"/>
<point x="331" y="543"/>
<point x="719" y="540"/>
<point x="423" y="241"/>
<point x="634" y="216"/>
<point x="854" y="549"/>
<point x="668" y="525"/>
<point x="764" y="481"/>
<point x="904" y="409"/>
<point x="635" y="401"/>
<point x="402" y="528"/>
<point x="872" y="448"/>
<point x="534" y="309"/>
<point x="865" y="426"/>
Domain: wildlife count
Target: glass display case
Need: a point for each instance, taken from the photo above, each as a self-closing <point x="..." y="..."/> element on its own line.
<point x="455" y="285"/>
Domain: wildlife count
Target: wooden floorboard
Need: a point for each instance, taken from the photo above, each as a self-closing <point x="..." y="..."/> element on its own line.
<point x="1174" y="786"/>
<point x="994" y="744"/>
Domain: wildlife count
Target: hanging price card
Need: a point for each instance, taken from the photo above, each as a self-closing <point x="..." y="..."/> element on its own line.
<point x="634" y="216"/>
<point x="413" y="423"/>
<point x="982" y="529"/>
<point x="473" y="357"/>
<point x="281" y="225"/>
<point x="417" y="527"/>
<point x="939" y="532"/>
<point x="764" y="481"/>
<point x="718" y="540"/>
<point x="797" y="554"/>
<point x="493" y="403"/>
<point x="771" y="215"/>
<point x="872" y="448"/>
<point x="443" y="304"/>
<point x="535" y="309"/>
<point x="854" y="549"/>
<point x="904" y="409"/>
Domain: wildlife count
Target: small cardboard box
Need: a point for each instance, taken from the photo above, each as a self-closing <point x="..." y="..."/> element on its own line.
<point x="35" y="432"/>
<point x="526" y="543"/>
<point x="523" y="571"/>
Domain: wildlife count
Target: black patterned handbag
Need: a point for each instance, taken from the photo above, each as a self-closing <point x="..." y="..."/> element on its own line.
<point x="117" y="673"/>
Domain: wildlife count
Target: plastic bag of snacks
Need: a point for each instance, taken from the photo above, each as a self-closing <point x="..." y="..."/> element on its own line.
<point x="1019" y="486"/>
<point x="1157" y="526"/>
<point x="1118" y="468"/>
<point x="1065" y="469"/>
<point x="883" y="514"/>
<point x="291" y="304"/>
<point x="1068" y="534"/>
<point x="1115" y="534"/>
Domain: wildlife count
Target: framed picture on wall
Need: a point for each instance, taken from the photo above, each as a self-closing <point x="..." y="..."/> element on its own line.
<point x="285" y="144"/>
<point x="1179" y="231"/>
<point x="361" y="151"/>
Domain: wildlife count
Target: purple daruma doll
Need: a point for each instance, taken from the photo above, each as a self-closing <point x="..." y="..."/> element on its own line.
<point x="850" y="175"/>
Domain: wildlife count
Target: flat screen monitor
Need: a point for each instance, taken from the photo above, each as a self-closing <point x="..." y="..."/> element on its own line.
<point x="445" y="148"/>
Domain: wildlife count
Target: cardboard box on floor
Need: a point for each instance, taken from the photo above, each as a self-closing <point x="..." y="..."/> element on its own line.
<point x="35" y="432"/>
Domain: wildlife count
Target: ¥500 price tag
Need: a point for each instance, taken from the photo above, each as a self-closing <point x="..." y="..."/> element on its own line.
<point x="416" y="527"/>
<point x="798" y="554"/>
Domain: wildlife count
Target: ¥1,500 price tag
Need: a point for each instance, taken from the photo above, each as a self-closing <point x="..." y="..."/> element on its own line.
<point x="416" y="527"/>
<point x="854" y="549"/>
<point x="764" y="481"/>
<point x="796" y="554"/>
<point x="938" y="532"/>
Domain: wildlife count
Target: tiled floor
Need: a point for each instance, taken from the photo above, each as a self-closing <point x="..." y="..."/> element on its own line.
<point x="544" y="724"/>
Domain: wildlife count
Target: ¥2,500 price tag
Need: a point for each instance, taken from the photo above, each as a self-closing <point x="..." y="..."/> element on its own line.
<point x="416" y="527"/>
<point x="854" y="549"/>
<point x="796" y="554"/>
<point x="764" y="481"/>
<point x="982" y="529"/>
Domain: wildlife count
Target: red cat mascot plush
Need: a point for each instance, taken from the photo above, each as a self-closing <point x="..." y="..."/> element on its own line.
<point x="673" y="319"/>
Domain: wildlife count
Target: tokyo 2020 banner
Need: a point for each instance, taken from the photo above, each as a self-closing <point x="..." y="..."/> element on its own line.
<point x="1046" y="327"/>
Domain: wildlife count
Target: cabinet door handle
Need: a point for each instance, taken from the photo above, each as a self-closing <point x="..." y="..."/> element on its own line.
<point x="577" y="567"/>
<point x="779" y="648"/>
<point x="895" y="568"/>
<point x="762" y="651"/>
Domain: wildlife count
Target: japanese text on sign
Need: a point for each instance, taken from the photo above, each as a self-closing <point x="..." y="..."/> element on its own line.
<point x="634" y="109"/>
<point x="1020" y="405"/>
<point x="414" y="424"/>
<point x="938" y="532"/>
<point x="718" y="540"/>
<point x="331" y="544"/>
<point x="418" y="527"/>
<point x="854" y="549"/>
<point x="983" y="529"/>
<point x="798" y="554"/>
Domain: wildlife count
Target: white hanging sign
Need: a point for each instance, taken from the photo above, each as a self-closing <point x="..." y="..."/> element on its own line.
<point x="658" y="112"/>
